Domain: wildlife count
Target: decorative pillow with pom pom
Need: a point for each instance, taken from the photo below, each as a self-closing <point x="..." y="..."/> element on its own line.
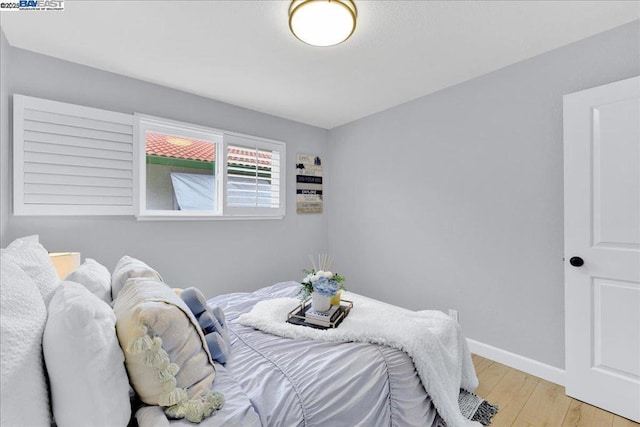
<point x="211" y="321"/>
<point x="166" y="353"/>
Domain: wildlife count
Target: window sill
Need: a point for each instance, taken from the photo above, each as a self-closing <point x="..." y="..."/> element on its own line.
<point x="206" y="217"/>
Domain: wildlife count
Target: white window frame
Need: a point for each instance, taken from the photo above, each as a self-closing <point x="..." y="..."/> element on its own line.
<point x="143" y="123"/>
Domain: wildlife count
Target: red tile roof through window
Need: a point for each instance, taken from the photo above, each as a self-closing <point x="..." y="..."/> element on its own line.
<point x="159" y="144"/>
<point x="177" y="147"/>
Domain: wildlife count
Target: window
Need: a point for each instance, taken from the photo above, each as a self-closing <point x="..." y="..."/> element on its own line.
<point x="253" y="178"/>
<point x="74" y="160"/>
<point x="178" y="168"/>
<point x="188" y="171"/>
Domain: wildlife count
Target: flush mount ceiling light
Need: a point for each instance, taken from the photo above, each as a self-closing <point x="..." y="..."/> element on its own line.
<point x="322" y="22"/>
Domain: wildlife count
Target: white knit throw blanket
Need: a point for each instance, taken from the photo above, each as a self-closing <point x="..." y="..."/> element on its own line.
<point x="433" y="341"/>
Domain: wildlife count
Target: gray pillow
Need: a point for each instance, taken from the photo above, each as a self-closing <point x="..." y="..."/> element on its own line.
<point x="32" y="258"/>
<point x="24" y="396"/>
<point x="89" y="383"/>
<point x="130" y="268"/>
<point x="93" y="276"/>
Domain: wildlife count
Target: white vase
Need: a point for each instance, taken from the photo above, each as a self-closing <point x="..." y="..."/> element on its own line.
<point x="320" y="302"/>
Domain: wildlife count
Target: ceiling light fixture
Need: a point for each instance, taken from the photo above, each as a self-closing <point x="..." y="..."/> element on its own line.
<point x="322" y="22"/>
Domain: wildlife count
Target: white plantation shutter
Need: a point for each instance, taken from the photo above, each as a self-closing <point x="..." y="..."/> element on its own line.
<point x="71" y="160"/>
<point x="255" y="176"/>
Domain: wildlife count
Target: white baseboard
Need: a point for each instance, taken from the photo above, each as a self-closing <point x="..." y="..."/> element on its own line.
<point x="530" y="366"/>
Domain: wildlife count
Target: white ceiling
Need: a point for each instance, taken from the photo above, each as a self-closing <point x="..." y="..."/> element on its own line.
<point x="241" y="52"/>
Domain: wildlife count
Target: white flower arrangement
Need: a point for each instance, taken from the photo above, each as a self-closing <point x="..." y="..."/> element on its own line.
<point x="320" y="279"/>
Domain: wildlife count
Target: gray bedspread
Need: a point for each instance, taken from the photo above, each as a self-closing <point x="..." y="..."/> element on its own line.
<point x="274" y="381"/>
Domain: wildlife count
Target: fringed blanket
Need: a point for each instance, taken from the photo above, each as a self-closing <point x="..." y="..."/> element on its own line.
<point x="433" y="341"/>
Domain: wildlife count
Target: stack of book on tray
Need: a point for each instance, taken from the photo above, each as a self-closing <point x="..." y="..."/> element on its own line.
<point x="305" y="315"/>
<point x="320" y="318"/>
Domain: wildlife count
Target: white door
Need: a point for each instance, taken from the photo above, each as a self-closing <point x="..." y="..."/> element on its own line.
<point x="602" y="246"/>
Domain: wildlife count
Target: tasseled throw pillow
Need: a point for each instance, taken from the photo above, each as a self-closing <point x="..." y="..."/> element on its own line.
<point x="166" y="353"/>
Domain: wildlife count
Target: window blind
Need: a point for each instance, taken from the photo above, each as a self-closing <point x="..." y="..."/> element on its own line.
<point x="71" y="160"/>
<point x="254" y="176"/>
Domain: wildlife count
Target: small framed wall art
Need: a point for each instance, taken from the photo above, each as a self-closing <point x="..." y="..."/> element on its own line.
<point x="308" y="184"/>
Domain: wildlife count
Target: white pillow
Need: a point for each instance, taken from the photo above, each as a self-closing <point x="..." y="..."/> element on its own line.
<point x="89" y="384"/>
<point x="34" y="260"/>
<point x="129" y="268"/>
<point x="166" y="354"/>
<point x="93" y="276"/>
<point x="24" y="397"/>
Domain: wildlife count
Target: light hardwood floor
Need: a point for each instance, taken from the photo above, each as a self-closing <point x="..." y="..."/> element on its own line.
<point x="528" y="401"/>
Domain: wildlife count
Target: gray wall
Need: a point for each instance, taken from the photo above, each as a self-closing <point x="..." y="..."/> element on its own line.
<point x="218" y="256"/>
<point x="455" y="200"/>
<point x="4" y="134"/>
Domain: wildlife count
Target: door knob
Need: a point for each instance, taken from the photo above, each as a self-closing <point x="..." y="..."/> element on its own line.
<point x="576" y="261"/>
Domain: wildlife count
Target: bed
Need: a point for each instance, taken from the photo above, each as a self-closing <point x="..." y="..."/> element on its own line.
<point x="267" y="380"/>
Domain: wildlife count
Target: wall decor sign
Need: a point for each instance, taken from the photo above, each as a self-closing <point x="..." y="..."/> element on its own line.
<point x="308" y="184"/>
